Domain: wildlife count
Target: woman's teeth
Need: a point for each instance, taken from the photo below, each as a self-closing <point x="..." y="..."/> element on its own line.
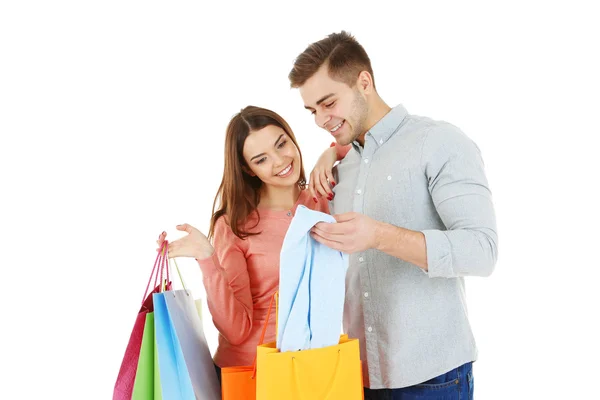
<point x="285" y="171"/>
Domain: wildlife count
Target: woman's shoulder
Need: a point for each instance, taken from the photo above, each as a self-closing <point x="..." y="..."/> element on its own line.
<point x="223" y="229"/>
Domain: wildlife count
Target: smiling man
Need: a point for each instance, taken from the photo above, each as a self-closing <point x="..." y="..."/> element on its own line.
<point x="415" y="213"/>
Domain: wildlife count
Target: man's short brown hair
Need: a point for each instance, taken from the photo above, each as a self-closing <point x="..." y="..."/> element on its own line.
<point x="345" y="58"/>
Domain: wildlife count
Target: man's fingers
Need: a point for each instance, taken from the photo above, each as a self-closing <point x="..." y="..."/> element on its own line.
<point x="340" y="218"/>
<point x="329" y="243"/>
<point x="326" y="228"/>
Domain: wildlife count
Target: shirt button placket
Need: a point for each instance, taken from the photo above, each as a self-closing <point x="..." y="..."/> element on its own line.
<point x="366" y="306"/>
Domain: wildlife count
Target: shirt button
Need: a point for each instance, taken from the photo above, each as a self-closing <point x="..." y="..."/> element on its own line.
<point x="366" y="161"/>
<point x="366" y="294"/>
<point x="389" y="177"/>
<point x="289" y="213"/>
<point x="361" y="259"/>
<point x="370" y="329"/>
<point x="359" y="191"/>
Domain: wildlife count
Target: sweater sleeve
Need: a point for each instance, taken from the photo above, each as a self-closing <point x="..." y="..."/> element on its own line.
<point x="227" y="283"/>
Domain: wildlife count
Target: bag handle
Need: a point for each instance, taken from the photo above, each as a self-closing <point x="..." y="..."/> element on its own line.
<point x="164" y="263"/>
<point x="329" y="387"/>
<point x="159" y="262"/>
<point x="179" y="273"/>
<point x="165" y="266"/>
<point x="161" y="265"/>
<point x="263" y="333"/>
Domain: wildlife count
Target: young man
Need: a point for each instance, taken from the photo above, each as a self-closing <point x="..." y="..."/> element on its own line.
<point x="415" y="214"/>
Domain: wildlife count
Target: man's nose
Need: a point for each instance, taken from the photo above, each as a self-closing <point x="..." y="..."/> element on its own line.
<point x="322" y="120"/>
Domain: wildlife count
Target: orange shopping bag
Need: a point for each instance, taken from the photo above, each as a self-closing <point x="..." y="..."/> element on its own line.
<point x="239" y="383"/>
<point x="327" y="373"/>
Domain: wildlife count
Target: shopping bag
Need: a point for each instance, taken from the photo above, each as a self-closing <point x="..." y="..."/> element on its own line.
<point x="184" y="361"/>
<point x="123" y="388"/>
<point x="239" y="383"/>
<point x="188" y="330"/>
<point x="199" y="308"/>
<point x="327" y="373"/>
<point x="144" y="387"/>
<point x="174" y="375"/>
<point x="309" y="359"/>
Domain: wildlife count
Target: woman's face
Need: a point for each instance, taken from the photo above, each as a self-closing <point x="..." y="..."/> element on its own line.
<point x="272" y="157"/>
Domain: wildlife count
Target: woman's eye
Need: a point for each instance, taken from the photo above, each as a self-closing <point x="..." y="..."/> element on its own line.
<point x="282" y="144"/>
<point x="261" y="160"/>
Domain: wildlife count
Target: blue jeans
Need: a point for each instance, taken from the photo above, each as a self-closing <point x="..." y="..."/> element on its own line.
<point x="453" y="385"/>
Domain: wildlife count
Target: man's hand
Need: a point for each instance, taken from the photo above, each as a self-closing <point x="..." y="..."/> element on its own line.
<point x="356" y="232"/>
<point x="352" y="233"/>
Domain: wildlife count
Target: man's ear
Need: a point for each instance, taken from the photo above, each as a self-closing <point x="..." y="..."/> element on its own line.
<point x="365" y="82"/>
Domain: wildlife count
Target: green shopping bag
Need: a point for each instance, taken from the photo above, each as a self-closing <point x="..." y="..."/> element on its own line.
<point x="157" y="387"/>
<point x="147" y="378"/>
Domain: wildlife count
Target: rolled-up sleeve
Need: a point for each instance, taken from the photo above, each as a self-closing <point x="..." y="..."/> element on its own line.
<point x="461" y="195"/>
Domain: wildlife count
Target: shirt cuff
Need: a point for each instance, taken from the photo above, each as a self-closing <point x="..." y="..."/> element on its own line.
<point x="439" y="254"/>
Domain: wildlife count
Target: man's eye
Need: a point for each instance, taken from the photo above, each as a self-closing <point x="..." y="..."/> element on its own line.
<point x="330" y="104"/>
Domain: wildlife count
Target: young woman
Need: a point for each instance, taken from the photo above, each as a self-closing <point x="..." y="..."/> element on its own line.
<point x="263" y="184"/>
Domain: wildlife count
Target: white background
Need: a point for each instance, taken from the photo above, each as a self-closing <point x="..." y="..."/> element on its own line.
<point x="112" y="121"/>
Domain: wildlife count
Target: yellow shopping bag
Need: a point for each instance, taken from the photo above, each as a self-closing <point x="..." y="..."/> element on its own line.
<point x="328" y="373"/>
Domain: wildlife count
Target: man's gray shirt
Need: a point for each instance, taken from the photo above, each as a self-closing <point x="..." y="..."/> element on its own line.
<point x="427" y="176"/>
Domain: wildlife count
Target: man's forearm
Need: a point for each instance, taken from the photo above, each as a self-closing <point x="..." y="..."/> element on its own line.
<point x="402" y="243"/>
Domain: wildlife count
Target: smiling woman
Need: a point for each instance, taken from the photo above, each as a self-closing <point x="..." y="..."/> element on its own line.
<point x="273" y="157"/>
<point x="263" y="184"/>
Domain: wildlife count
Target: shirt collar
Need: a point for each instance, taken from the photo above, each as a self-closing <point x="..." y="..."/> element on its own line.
<point x="386" y="126"/>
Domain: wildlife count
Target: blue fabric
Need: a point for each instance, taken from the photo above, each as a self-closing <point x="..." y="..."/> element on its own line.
<point x="311" y="287"/>
<point x="174" y="376"/>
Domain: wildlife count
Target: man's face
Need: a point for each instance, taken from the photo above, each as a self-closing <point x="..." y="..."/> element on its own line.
<point x="338" y="108"/>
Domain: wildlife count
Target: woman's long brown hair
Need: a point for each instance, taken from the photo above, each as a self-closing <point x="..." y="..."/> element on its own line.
<point x="239" y="193"/>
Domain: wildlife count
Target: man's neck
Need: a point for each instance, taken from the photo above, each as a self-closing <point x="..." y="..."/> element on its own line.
<point x="377" y="111"/>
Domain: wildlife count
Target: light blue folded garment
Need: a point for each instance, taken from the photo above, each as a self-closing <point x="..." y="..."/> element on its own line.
<point x="311" y="287"/>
